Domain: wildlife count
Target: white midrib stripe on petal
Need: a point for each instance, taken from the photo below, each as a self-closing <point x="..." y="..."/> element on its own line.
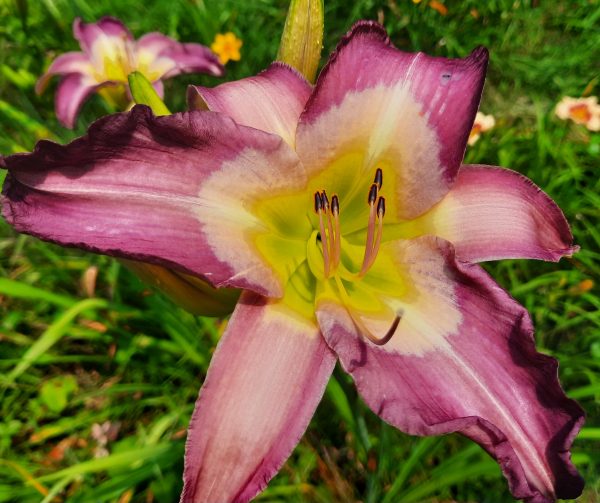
<point x="166" y="199"/>
<point x="543" y="479"/>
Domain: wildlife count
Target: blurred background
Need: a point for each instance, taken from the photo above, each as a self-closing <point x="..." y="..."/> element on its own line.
<point x="99" y="373"/>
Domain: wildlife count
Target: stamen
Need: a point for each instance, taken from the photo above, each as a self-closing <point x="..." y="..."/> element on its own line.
<point x="330" y="232"/>
<point x="320" y="200"/>
<point x="373" y="239"/>
<point x="335" y="205"/>
<point x="318" y="204"/>
<point x="372" y="194"/>
<point x="380" y="214"/>
<point x="381" y="207"/>
<point x="378" y="178"/>
<point x="370" y="230"/>
<point x="332" y="237"/>
<point x="325" y="201"/>
<point x="337" y="241"/>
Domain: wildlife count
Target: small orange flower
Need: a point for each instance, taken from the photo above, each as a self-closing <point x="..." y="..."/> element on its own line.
<point x="482" y="124"/>
<point x="585" y="111"/>
<point x="227" y="47"/>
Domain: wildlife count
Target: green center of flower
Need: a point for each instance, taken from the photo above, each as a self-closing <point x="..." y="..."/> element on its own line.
<point x="332" y="242"/>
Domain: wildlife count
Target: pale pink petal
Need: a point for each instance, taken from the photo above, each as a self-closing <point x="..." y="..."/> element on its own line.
<point x="264" y="383"/>
<point x="192" y="58"/>
<point x="154" y="43"/>
<point x="178" y="190"/>
<point x="159" y="88"/>
<point x="166" y="57"/>
<point x="408" y="113"/>
<point x="70" y="62"/>
<point x="463" y="360"/>
<point x="493" y="213"/>
<point x="271" y="101"/>
<point x="89" y="33"/>
<point x="71" y="92"/>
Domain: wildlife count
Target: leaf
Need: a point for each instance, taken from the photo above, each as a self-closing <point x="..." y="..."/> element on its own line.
<point x="55" y="393"/>
<point x="53" y="334"/>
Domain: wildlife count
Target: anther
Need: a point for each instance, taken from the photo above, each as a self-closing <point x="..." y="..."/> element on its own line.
<point x="335" y="205"/>
<point x="318" y="203"/>
<point x="381" y="207"/>
<point x="372" y="194"/>
<point x="324" y="201"/>
<point x="378" y="178"/>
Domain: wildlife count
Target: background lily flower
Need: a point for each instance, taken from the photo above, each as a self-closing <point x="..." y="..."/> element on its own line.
<point x="344" y="213"/>
<point x="585" y="111"/>
<point x="109" y="54"/>
<point x="482" y="124"/>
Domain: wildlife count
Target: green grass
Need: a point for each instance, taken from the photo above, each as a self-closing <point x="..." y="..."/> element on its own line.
<point x="130" y="357"/>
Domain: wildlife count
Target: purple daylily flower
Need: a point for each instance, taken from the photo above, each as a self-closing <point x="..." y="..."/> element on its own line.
<point x="109" y="54"/>
<point x="345" y="215"/>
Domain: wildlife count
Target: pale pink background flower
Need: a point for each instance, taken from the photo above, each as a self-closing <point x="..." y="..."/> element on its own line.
<point x="482" y="124"/>
<point x="585" y="111"/>
<point x="109" y="54"/>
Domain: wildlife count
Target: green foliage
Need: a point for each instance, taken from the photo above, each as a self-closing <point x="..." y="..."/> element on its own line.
<point x="55" y="393"/>
<point x="129" y="357"/>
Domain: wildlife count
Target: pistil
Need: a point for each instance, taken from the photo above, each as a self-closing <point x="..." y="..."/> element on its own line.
<point x="379" y="341"/>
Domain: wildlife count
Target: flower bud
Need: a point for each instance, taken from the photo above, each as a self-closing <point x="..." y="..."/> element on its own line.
<point x="302" y="38"/>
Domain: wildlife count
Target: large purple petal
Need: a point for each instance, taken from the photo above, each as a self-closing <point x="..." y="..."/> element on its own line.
<point x="265" y="380"/>
<point x="408" y="113"/>
<point x="493" y="213"/>
<point x="272" y="101"/>
<point x="176" y="190"/>
<point x="463" y="360"/>
<point x="72" y="91"/>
